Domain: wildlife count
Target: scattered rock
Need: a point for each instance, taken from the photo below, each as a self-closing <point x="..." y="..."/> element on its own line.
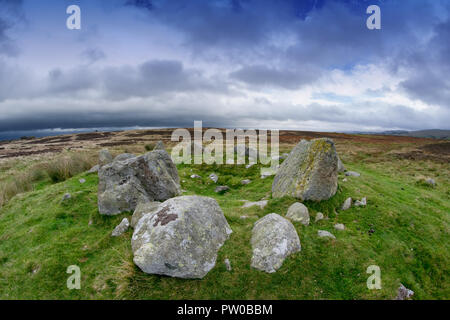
<point x="82" y="181"/>
<point x="227" y="264"/>
<point x="181" y="239"/>
<point x="347" y="204"/>
<point x="222" y="189"/>
<point x="273" y="239"/>
<point x="243" y="217"/>
<point x="123" y="184"/>
<point x="94" y="169"/>
<point x="298" y="212"/>
<point x="214" y="177"/>
<point x="66" y="196"/>
<point x="339" y="226"/>
<point x="260" y="204"/>
<point x="319" y="216"/>
<point x="341" y="167"/>
<point x="244" y="182"/>
<point x="195" y="176"/>
<point x="430" y="182"/>
<point x="159" y="146"/>
<point x="361" y="203"/>
<point x="142" y="209"/>
<point x="325" y="234"/>
<point x="309" y="172"/>
<point x="344" y="180"/>
<point x="124" y="156"/>
<point x="104" y="157"/>
<point x="352" y="174"/>
<point x="404" y="293"/>
<point x="121" y="228"/>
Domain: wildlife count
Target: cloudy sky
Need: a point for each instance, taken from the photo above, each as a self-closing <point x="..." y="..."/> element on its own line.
<point x="306" y="65"/>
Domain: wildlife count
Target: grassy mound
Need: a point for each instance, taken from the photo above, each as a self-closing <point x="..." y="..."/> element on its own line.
<point x="41" y="235"/>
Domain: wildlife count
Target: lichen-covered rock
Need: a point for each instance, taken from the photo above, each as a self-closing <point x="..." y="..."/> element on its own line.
<point x="309" y="172"/>
<point x="298" y="212"/>
<point x="104" y="157"/>
<point x="404" y="293"/>
<point x="124" y="156"/>
<point x="273" y="239"/>
<point x="180" y="239"/>
<point x="143" y="208"/>
<point x="123" y="184"/>
<point x="361" y="203"/>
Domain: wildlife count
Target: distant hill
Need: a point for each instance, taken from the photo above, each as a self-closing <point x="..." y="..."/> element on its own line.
<point x="430" y="133"/>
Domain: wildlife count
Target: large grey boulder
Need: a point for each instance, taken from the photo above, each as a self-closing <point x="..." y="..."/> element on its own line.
<point x="124" y="156"/>
<point x="298" y="212"/>
<point x="273" y="239"/>
<point x="309" y="172"/>
<point x="143" y="208"/>
<point x="104" y="157"/>
<point x="181" y="239"/>
<point x="123" y="184"/>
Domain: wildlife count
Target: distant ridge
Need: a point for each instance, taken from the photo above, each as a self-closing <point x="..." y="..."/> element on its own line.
<point x="429" y="133"/>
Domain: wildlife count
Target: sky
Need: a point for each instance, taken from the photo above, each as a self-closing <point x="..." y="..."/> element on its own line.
<point x="303" y="65"/>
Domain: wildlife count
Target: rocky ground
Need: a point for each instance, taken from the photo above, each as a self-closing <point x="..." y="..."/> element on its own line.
<point x="392" y="211"/>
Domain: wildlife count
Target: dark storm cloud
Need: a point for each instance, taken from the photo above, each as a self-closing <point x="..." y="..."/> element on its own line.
<point x="10" y="14"/>
<point x="93" y="55"/>
<point x="260" y="75"/>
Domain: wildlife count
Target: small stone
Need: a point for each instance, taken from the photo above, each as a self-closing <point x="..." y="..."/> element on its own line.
<point x="67" y="196"/>
<point x="221" y="189"/>
<point x="244" y="182"/>
<point x="121" y="228"/>
<point x="298" y="212"/>
<point x="260" y="204"/>
<point x="243" y="217"/>
<point x="361" y="203"/>
<point x="431" y="182"/>
<point x="347" y="204"/>
<point x="344" y="180"/>
<point x="404" y="293"/>
<point x="339" y="226"/>
<point x="195" y="176"/>
<point x="352" y="174"/>
<point x="214" y="177"/>
<point x="94" y="169"/>
<point x="325" y="234"/>
<point x="82" y="181"/>
<point x="319" y="216"/>
<point x="249" y="166"/>
<point x="227" y="264"/>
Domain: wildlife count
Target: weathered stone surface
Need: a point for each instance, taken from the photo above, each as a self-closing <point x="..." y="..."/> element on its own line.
<point x="142" y="209"/>
<point x="159" y="146"/>
<point x="319" y="216"/>
<point x="262" y="204"/>
<point x="181" y="239"/>
<point x="339" y="226"/>
<point x="273" y="239"/>
<point x="361" y="203"/>
<point x="221" y="189"/>
<point x="195" y="176"/>
<point x="246" y="181"/>
<point x="104" y="157"/>
<point x="341" y="167"/>
<point x="352" y="174"/>
<point x="404" y="293"/>
<point x="325" y="234"/>
<point x="298" y="212"/>
<point x="214" y="177"/>
<point x="150" y="177"/>
<point x="124" y="156"/>
<point x="347" y="204"/>
<point x="309" y="172"/>
<point x="121" y="228"/>
<point x="94" y="169"/>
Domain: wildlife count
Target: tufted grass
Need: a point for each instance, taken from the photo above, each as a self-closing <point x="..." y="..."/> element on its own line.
<point x="40" y="236"/>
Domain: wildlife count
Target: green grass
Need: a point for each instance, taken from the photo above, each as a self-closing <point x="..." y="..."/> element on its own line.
<point x="40" y="236"/>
